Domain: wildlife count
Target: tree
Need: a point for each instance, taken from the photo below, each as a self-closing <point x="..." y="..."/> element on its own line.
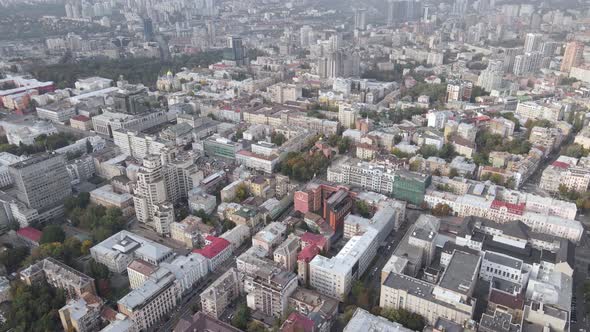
<point x="97" y="270"/>
<point x="399" y="153"/>
<point x="277" y="138"/>
<point x="441" y="210"/>
<point x="574" y="150"/>
<point x="72" y="248"/>
<point x="453" y="172"/>
<point x="447" y="152"/>
<point x="497" y="179"/>
<point x="255" y="326"/>
<point x="242" y="192"/>
<point x="363" y="208"/>
<point x="415" y="166"/>
<point x="428" y="150"/>
<point x="85" y="248"/>
<point x="344" y="145"/>
<point x="13" y="257"/>
<point x="408" y="319"/>
<point x="53" y="249"/>
<point x="52" y="233"/>
<point x="34" y="308"/>
<point x="228" y="224"/>
<point x="241" y="317"/>
<point x="481" y="159"/>
<point x="348" y="312"/>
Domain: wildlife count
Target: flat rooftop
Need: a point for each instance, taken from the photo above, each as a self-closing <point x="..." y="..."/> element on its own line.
<point x="461" y="273"/>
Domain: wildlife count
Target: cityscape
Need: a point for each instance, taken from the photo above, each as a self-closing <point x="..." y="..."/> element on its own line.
<point x="294" y="166"/>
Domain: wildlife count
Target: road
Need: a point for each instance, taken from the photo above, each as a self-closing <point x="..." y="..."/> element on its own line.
<point x="372" y="277"/>
<point x="193" y="298"/>
<point x="531" y="184"/>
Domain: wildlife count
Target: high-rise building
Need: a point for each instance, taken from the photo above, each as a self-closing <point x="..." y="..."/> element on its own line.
<point x="162" y="181"/>
<point x="150" y="191"/>
<point x="491" y="78"/>
<point x="42" y="182"/>
<point x="269" y="290"/>
<point x="532" y="42"/>
<point x="148" y="29"/>
<point x="235" y="51"/>
<point x="399" y="11"/>
<point x="527" y="63"/>
<point x="347" y="116"/>
<point x="339" y="64"/>
<point x="360" y="19"/>
<point x="459" y="90"/>
<point x="460" y="7"/>
<point x="305" y="35"/>
<point x="573" y="56"/>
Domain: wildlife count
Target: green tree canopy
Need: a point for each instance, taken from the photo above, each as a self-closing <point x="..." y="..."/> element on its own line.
<point x="35" y="308"/>
<point x="52" y="233"/>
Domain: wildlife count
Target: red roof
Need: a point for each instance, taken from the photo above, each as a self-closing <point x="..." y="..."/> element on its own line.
<point x="313" y="239"/>
<point x="297" y="322"/>
<point x="215" y="246"/>
<point x="507" y="300"/>
<point x="108" y="314"/>
<point x="81" y="118"/>
<point x="512" y="208"/>
<point x="308" y="253"/>
<point x="560" y="164"/>
<point x="30" y="233"/>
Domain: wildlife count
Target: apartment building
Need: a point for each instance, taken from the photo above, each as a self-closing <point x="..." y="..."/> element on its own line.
<point x="564" y="171"/>
<point x="139" y="271"/>
<point x="334" y="276"/>
<point x="583" y="138"/>
<point x="221" y="293"/>
<point x="269" y="290"/>
<point x="544" y="215"/>
<point x="259" y="162"/>
<point x="270" y="236"/>
<point x="59" y="275"/>
<point x="363" y="320"/>
<point x="237" y="236"/>
<point x="41" y="182"/>
<point x="187" y="270"/>
<point x="56" y="112"/>
<point x="152" y="301"/>
<point x="377" y="177"/>
<point x="450" y="298"/>
<point x="138" y="145"/>
<point x="539" y="110"/>
<point x="82" y="314"/>
<point x="199" y="199"/>
<point x="216" y="250"/>
<point x="203" y="322"/>
<point x="107" y="122"/>
<point x="459" y="90"/>
<point x="191" y="231"/>
<point x="7" y="159"/>
<point x="282" y="92"/>
<point x="286" y="253"/>
<point x="497" y="265"/>
<point x="150" y="191"/>
<point x="107" y="196"/>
